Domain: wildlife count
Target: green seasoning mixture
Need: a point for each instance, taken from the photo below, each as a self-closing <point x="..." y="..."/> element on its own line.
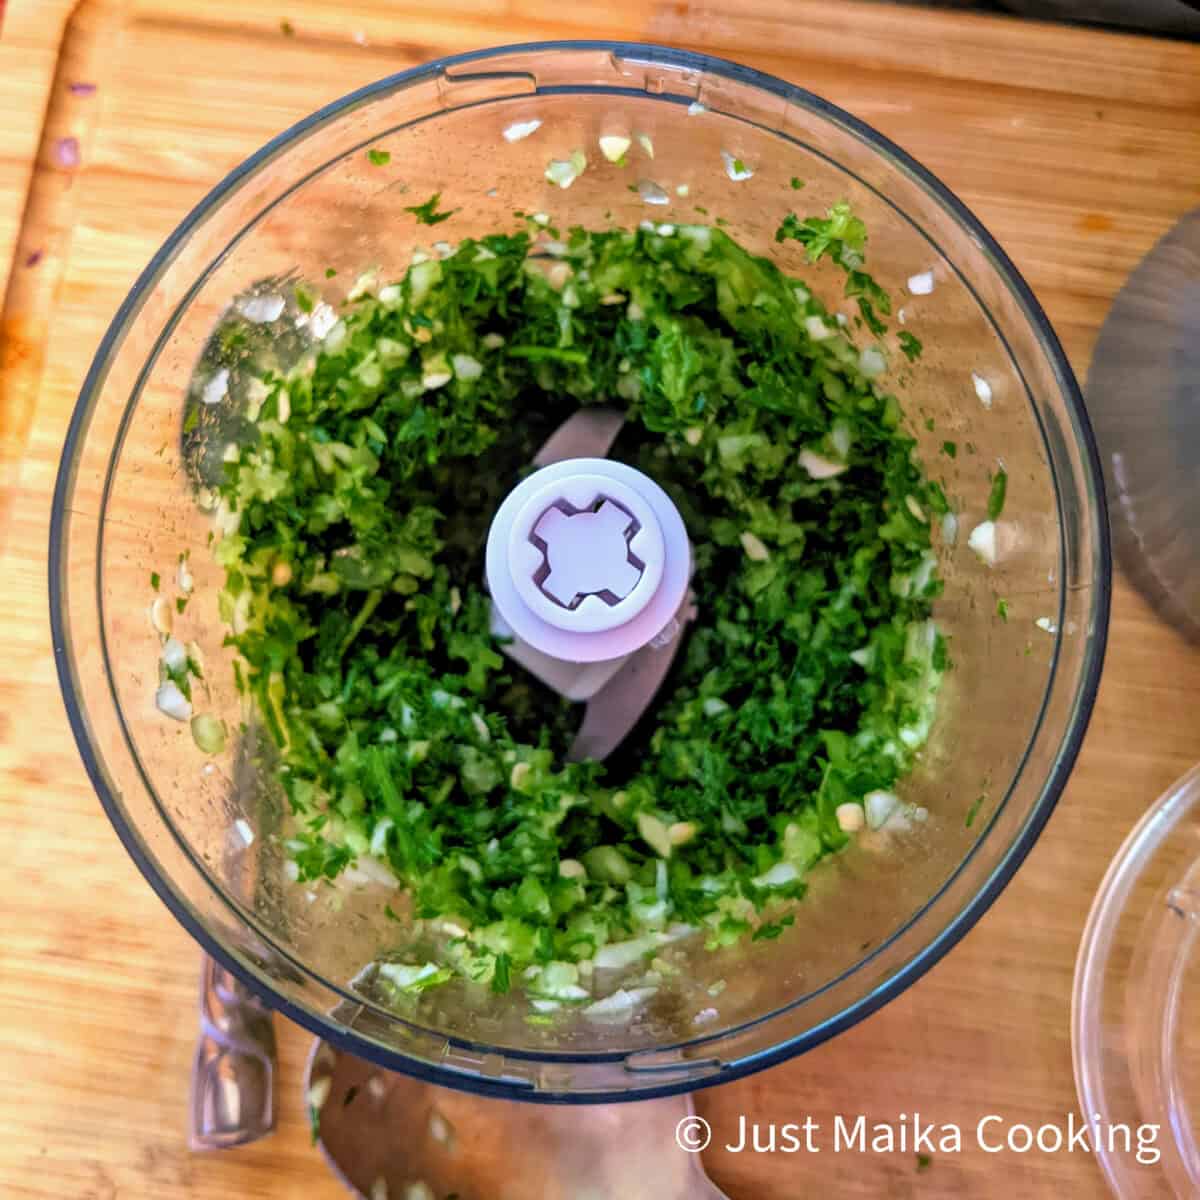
<point x="412" y="748"/>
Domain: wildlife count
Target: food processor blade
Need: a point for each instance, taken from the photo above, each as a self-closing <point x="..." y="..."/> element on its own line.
<point x="620" y="689"/>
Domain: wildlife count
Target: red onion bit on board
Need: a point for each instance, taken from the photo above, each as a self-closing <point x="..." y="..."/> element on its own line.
<point x="79" y="88"/>
<point x="66" y="153"/>
<point x="34" y="257"/>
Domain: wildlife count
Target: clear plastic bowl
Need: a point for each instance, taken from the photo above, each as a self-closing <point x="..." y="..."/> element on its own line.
<point x="1136" y="1002"/>
<point x="1013" y="709"/>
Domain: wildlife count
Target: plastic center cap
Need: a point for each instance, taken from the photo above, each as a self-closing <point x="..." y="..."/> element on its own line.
<point x="587" y="560"/>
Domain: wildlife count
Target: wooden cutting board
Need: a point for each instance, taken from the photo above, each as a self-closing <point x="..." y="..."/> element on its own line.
<point x="1078" y="149"/>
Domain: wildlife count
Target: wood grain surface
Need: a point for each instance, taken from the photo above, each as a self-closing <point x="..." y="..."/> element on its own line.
<point x="1078" y="149"/>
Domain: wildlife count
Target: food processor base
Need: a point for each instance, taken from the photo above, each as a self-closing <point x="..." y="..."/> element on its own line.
<point x="387" y="1136"/>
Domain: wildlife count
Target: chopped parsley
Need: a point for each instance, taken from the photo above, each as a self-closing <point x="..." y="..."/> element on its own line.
<point x="924" y="1162"/>
<point x="155" y="580"/>
<point x="379" y="158"/>
<point x="1002" y="609"/>
<point x="950" y="449"/>
<point x="427" y="213"/>
<point x="910" y="344"/>
<point x="973" y="811"/>
<point x="997" y="495"/>
<point x="797" y="183"/>
<point x="363" y="628"/>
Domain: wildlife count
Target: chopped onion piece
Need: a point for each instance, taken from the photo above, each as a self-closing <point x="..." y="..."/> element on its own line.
<point x="878" y="806"/>
<point x="682" y="189"/>
<point x="217" y="388"/>
<point x="521" y="129"/>
<point x="780" y="875"/>
<point x="572" y="868"/>
<point x="172" y="702"/>
<point x="753" y="545"/>
<point x="735" y="168"/>
<point x="244" y="830"/>
<point x="439" y="1128"/>
<point x="651" y="193"/>
<point x="564" y="171"/>
<point x="174" y="655"/>
<point x="616" y="955"/>
<point x="614" y="146"/>
<point x="693" y="435"/>
<point x="816" y="329"/>
<point x="871" y="362"/>
<point x="493" y="341"/>
<point x="819" y="467"/>
<point x="850" y="817"/>
<point x="262" y="310"/>
<point x="949" y="529"/>
<point x="318" y="1091"/>
<point x="643" y="140"/>
<point x="921" y="285"/>
<point x="379" y="835"/>
<point x="695" y="109"/>
<point x="1046" y="625"/>
<point x="160" y="616"/>
<point x="983" y="390"/>
<point x="620" y="1006"/>
<point x="983" y="541"/>
<point x="914" y="506"/>
<point x="466" y="367"/>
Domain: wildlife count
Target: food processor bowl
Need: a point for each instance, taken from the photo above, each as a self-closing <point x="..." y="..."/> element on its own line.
<point x="713" y="142"/>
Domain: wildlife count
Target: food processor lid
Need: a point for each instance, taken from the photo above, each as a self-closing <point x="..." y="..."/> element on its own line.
<point x="587" y="560"/>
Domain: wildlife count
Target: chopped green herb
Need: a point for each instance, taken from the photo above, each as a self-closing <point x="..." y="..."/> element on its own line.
<point x="379" y="158"/>
<point x="155" y="580"/>
<point x="771" y="931"/>
<point x="910" y="344"/>
<point x="304" y="299"/>
<point x="997" y="495"/>
<point x="427" y="213"/>
<point x="973" y="811"/>
<point x="330" y="272"/>
<point x="314" y="1123"/>
<point x="406" y="733"/>
<point x="924" y="1162"/>
<point x="181" y="602"/>
<point x="500" y="975"/>
<point x="1002" y="609"/>
<point x="950" y="449"/>
<point x="929" y="424"/>
<point x="797" y="183"/>
<point x="191" y="419"/>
